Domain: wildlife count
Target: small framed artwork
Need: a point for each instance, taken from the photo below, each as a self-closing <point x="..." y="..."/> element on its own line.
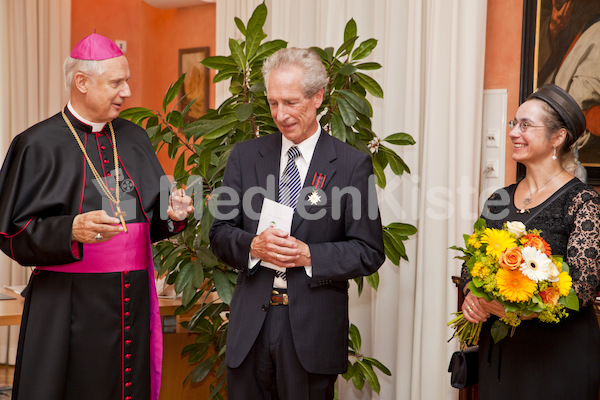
<point x="560" y="45"/>
<point x="196" y="82"/>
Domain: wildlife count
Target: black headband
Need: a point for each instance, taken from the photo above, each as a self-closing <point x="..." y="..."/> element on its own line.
<point x="564" y="105"/>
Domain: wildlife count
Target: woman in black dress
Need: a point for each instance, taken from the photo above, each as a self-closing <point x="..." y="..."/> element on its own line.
<point x="546" y="360"/>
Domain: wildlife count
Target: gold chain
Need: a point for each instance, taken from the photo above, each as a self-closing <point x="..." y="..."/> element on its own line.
<point x="115" y="199"/>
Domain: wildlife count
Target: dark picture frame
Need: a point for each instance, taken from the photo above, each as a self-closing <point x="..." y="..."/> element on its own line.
<point x="540" y="62"/>
<point x="196" y="82"/>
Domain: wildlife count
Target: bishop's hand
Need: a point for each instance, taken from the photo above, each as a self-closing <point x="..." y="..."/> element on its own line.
<point x="180" y="205"/>
<point x="94" y="227"/>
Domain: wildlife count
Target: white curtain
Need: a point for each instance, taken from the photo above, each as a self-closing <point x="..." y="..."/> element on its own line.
<point x="34" y="42"/>
<point x="432" y="52"/>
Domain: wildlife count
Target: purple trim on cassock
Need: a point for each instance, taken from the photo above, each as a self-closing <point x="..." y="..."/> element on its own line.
<point x="126" y="252"/>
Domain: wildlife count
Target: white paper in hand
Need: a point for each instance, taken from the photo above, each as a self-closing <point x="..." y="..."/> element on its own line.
<point x="277" y="216"/>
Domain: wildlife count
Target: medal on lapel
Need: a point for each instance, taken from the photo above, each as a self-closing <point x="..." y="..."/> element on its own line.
<point x="318" y="180"/>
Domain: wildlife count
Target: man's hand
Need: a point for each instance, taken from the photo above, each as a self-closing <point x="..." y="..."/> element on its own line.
<point x="277" y="247"/>
<point x="180" y="205"/>
<point x="95" y="227"/>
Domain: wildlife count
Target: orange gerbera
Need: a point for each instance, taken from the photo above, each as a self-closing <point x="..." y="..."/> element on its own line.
<point x="536" y="241"/>
<point x="515" y="286"/>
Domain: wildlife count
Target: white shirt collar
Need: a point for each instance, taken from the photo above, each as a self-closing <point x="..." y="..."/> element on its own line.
<point x="96" y="126"/>
<point x="306" y="147"/>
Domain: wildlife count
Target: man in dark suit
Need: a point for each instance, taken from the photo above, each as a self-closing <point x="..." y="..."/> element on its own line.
<point x="288" y="333"/>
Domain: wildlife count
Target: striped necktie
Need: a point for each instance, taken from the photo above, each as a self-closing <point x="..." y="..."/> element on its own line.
<point x="289" y="187"/>
<point x="289" y="184"/>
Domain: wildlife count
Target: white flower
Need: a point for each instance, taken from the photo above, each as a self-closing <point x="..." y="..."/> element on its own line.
<point x="516" y="227"/>
<point x="373" y="144"/>
<point x="553" y="273"/>
<point x="536" y="265"/>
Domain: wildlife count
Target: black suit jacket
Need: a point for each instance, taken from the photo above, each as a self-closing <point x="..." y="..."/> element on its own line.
<point x="344" y="243"/>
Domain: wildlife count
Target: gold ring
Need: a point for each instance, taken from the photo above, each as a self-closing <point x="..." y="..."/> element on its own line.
<point x="469" y="309"/>
<point x="277" y="257"/>
<point x="472" y="304"/>
<point x="98" y="237"/>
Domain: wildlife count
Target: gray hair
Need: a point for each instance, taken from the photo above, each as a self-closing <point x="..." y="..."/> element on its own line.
<point x="315" y="76"/>
<point x="71" y="66"/>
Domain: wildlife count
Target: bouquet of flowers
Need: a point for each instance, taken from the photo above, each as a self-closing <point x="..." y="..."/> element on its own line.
<point x="516" y="267"/>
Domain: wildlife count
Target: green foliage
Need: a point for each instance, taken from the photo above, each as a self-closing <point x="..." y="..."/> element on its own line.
<point x="201" y="149"/>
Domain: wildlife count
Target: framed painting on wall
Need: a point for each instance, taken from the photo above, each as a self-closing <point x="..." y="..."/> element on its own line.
<point x="196" y="83"/>
<point x="560" y="45"/>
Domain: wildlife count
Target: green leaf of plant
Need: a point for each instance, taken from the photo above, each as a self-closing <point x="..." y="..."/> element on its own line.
<point x="338" y="128"/>
<point x="358" y="379"/>
<point x="396" y="163"/>
<point x="219" y="62"/>
<point x="373" y="280"/>
<point x="204" y="161"/>
<point x="198" y="275"/>
<point x="379" y="174"/>
<point x="172" y="92"/>
<point x="370" y="375"/>
<point x="370" y="85"/>
<point x="240" y="25"/>
<point x="346" y="47"/>
<point x="499" y="331"/>
<point x="223" y="75"/>
<point x="268" y="48"/>
<point x="354" y="334"/>
<point x="369" y="66"/>
<point x="258" y="18"/>
<point x="237" y="53"/>
<point x="184" y="277"/>
<point x="379" y="365"/>
<point x="347" y="70"/>
<point x="571" y="301"/>
<point x="401" y="228"/>
<point x="397" y="241"/>
<point x="244" y="111"/>
<point x="364" y="49"/>
<point x="390" y="250"/>
<point x="223" y="285"/>
<point x="400" y="139"/>
<point x="201" y="370"/>
<point x="350" y="30"/>
<point x="347" y="112"/>
<point x="254" y="38"/>
<point x="136" y="114"/>
<point x="359" y="103"/>
<point x="179" y="171"/>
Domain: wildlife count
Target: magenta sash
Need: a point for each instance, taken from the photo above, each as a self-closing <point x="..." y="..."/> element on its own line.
<point x="126" y="252"/>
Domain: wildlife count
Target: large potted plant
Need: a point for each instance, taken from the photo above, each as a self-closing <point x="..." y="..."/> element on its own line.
<point x="201" y="149"/>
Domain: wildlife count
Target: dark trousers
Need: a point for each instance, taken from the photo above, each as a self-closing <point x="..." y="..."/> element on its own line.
<point x="272" y="371"/>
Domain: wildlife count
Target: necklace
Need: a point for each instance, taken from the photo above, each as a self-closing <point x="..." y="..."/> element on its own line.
<point x="527" y="200"/>
<point x="114" y="199"/>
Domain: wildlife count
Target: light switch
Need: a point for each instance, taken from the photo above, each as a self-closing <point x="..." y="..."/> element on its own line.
<point x="492" y="138"/>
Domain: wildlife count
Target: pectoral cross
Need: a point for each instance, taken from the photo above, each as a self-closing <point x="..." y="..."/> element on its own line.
<point x="121" y="214"/>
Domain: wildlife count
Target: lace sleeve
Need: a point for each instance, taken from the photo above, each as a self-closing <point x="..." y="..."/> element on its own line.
<point x="583" y="248"/>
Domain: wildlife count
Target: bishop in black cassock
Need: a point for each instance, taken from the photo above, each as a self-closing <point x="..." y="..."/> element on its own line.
<point x="90" y="327"/>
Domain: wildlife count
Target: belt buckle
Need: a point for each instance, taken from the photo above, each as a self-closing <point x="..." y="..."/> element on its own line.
<point x="283" y="296"/>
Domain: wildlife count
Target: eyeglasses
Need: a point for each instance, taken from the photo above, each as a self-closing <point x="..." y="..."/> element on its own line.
<point x="523" y="125"/>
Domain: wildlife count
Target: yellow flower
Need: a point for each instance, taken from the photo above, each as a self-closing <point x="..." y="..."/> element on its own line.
<point x="497" y="241"/>
<point x="564" y="283"/>
<point x="480" y="270"/>
<point x="472" y="241"/>
<point x="515" y="286"/>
